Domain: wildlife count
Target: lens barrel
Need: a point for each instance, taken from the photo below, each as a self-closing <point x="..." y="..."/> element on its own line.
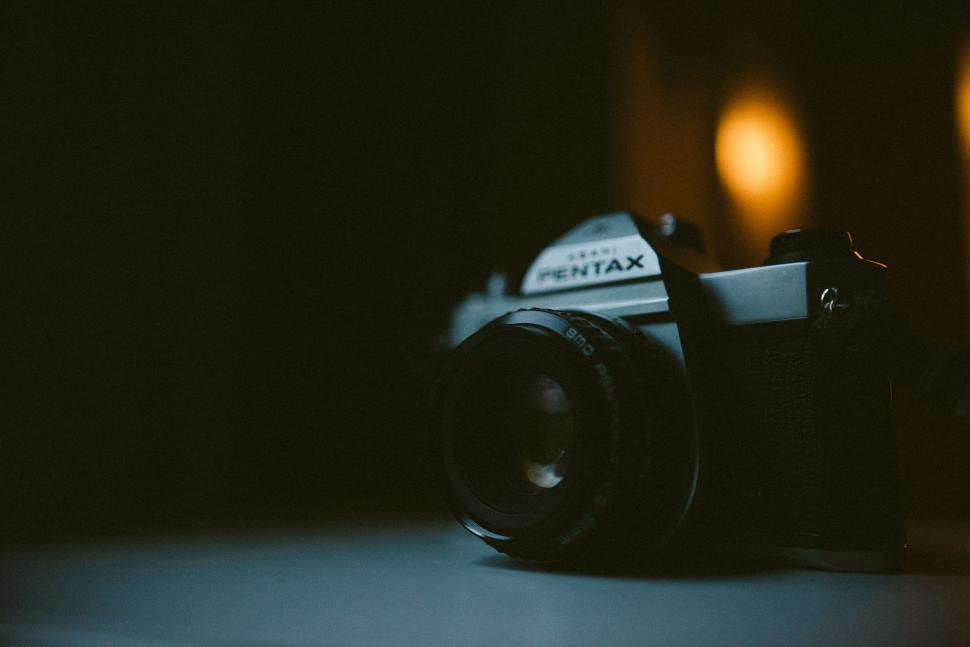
<point x="563" y="435"/>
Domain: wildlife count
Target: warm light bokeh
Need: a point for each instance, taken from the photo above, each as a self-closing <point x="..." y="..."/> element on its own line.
<point x="963" y="99"/>
<point x="761" y="161"/>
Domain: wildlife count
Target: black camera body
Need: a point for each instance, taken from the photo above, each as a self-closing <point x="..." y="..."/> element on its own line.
<point x="630" y="399"/>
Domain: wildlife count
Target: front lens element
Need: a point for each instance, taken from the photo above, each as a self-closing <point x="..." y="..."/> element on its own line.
<point x="541" y="423"/>
<point x="515" y="435"/>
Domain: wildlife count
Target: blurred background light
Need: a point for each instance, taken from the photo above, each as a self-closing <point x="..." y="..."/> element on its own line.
<point x="760" y="158"/>
<point x="963" y="98"/>
<point x="961" y="106"/>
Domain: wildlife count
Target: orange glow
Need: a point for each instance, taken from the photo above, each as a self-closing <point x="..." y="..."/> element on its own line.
<point x="761" y="160"/>
<point x="963" y="98"/>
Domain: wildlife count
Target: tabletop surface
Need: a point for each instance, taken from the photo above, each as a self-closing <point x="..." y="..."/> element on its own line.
<point x="430" y="583"/>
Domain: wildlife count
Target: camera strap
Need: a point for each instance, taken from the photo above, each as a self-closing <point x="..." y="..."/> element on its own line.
<point x="939" y="371"/>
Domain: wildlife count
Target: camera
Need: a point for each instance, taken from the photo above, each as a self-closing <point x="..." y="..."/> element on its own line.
<point x="631" y="399"/>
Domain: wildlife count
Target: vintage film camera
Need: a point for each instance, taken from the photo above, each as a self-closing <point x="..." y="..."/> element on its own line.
<point x="631" y="399"/>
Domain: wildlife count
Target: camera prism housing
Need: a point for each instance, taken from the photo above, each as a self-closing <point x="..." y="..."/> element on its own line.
<point x="630" y="399"/>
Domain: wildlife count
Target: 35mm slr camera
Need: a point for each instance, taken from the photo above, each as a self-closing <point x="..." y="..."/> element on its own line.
<point x="631" y="398"/>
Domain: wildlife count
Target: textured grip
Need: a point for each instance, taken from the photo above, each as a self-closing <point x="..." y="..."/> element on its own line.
<point x="806" y="454"/>
<point x="766" y="449"/>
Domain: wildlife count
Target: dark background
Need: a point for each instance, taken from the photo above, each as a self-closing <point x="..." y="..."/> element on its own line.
<point x="230" y="232"/>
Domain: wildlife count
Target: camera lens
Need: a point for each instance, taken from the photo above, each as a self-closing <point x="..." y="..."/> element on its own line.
<point x="542" y="425"/>
<point x="555" y="429"/>
<point x="532" y="434"/>
<point x="516" y="436"/>
<point x="514" y="432"/>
